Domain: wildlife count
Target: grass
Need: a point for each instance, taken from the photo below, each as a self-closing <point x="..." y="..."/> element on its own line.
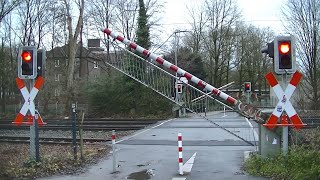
<point x="55" y="159"/>
<point x="301" y="163"/>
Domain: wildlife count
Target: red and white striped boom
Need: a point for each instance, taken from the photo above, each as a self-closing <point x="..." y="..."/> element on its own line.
<point x="246" y="109"/>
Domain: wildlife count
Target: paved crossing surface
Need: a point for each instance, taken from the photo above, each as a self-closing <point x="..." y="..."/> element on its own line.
<point x="153" y="153"/>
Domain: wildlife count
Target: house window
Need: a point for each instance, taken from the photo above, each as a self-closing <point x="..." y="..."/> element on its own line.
<point x="57" y="77"/>
<point x="57" y="63"/>
<point x="56" y="92"/>
<point x="95" y="64"/>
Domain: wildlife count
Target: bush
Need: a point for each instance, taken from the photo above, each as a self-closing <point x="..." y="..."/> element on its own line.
<point x="300" y="163"/>
<point x="121" y="96"/>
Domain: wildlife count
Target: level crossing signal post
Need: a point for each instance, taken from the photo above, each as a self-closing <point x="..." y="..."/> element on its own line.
<point x="74" y="130"/>
<point x="283" y="52"/>
<point x="247" y="89"/>
<point x="31" y="62"/>
<point x="180" y="94"/>
<point x="179" y="91"/>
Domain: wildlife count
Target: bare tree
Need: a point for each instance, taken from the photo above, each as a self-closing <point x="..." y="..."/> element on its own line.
<point x="34" y="17"/>
<point x="100" y="13"/>
<point x="6" y="6"/>
<point x="125" y="17"/>
<point x="198" y="26"/>
<point x="302" y="20"/>
<point x="229" y="48"/>
<point x="73" y="35"/>
<point x="27" y="14"/>
<point x="249" y="64"/>
<point x="121" y="16"/>
<point x="222" y="16"/>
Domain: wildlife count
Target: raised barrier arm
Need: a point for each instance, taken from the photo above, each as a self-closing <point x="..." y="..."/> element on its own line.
<point x="242" y="108"/>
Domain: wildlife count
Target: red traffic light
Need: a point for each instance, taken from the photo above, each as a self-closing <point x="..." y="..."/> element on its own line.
<point x="284" y="47"/>
<point x="247" y="86"/>
<point x="179" y="88"/>
<point x="284" y="55"/>
<point x="26" y="56"/>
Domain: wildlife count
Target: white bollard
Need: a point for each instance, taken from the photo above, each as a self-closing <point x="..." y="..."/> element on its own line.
<point x="180" y="154"/>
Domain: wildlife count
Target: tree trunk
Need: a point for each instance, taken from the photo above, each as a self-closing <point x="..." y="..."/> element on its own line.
<point x="70" y="76"/>
<point x="72" y="45"/>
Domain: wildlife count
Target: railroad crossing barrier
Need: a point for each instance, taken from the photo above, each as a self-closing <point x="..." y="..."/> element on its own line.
<point x="242" y="108"/>
<point x="200" y="101"/>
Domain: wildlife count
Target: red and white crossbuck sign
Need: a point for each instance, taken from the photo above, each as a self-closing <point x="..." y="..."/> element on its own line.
<point x="284" y="104"/>
<point x="28" y="99"/>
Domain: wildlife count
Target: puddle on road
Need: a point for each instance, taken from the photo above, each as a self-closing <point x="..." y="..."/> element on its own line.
<point x="141" y="175"/>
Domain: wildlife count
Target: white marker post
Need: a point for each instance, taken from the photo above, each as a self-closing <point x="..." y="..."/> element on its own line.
<point x="180" y="154"/>
<point x="114" y="151"/>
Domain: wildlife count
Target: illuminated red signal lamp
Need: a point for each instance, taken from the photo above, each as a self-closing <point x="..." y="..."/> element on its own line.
<point x="284" y="47"/>
<point x="247" y="86"/>
<point x="179" y="88"/>
<point x="285" y="58"/>
<point x="26" y="56"/>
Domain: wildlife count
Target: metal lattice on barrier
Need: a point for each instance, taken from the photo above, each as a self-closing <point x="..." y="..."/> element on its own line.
<point x="191" y="99"/>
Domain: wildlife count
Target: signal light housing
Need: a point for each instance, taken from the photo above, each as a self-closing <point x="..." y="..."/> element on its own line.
<point x="269" y="49"/>
<point x="27" y="62"/>
<point x="41" y="62"/>
<point x="247" y="86"/>
<point x="285" y="55"/>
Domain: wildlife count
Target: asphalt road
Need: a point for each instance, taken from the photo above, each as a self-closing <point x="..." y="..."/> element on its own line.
<point x="153" y="152"/>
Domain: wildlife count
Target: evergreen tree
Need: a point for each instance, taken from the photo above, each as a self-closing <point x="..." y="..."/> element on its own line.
<point x="143" y="31"/>
<point x="131" y="98"/>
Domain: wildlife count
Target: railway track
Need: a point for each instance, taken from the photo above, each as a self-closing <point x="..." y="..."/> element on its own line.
<point x="49" y="140"/>
<point x="93" y="124"/>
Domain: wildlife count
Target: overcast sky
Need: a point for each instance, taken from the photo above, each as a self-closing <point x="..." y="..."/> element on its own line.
<point x="262" y="13"/>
